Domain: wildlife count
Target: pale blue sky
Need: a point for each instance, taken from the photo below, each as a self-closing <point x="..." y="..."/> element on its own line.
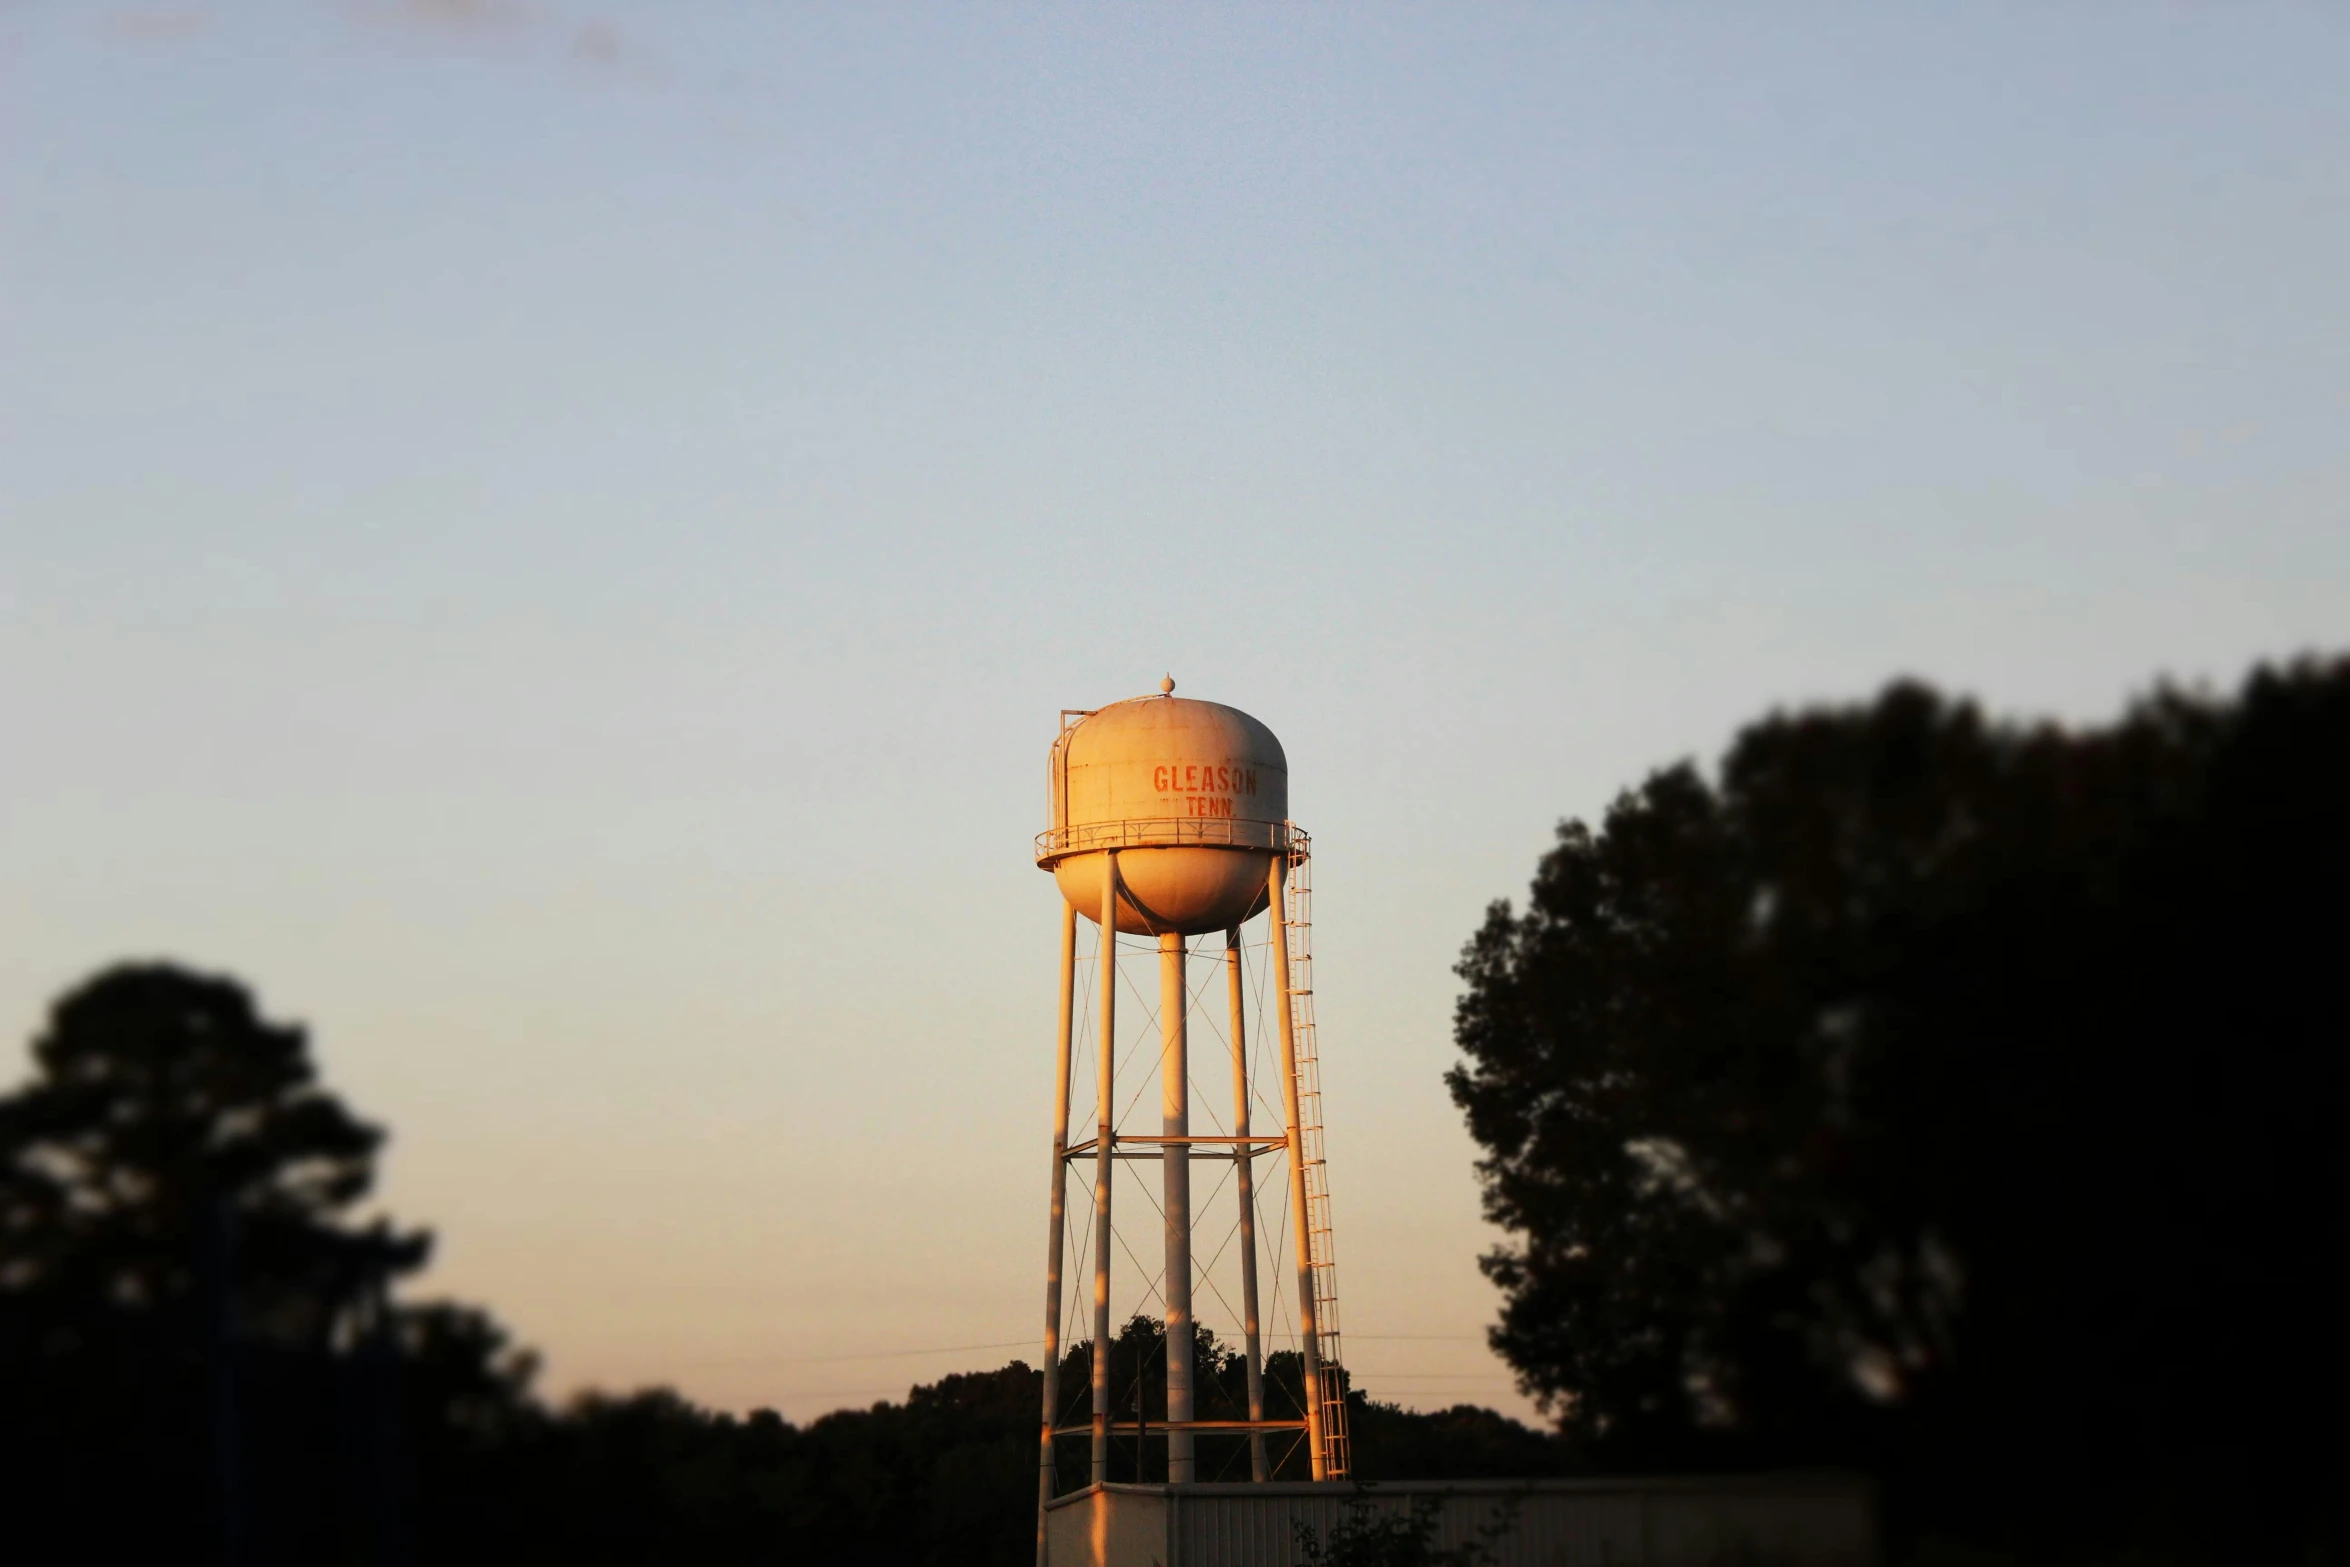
<point x="551" y="539"/>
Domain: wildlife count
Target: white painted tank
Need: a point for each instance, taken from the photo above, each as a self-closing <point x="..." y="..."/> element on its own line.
<point x="1193" y="795"/>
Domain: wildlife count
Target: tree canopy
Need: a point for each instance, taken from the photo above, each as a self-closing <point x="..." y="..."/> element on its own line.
<point x="163" y="1103"/>
<point x="1955" y="1097"/>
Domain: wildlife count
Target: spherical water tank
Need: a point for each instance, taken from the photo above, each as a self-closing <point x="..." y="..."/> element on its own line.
<point x="1194" y="796"/>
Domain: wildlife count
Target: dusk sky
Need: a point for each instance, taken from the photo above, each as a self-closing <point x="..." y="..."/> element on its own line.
<point x="551" y="539"/>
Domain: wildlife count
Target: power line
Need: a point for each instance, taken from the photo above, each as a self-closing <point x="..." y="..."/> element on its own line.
<point x="1423" y="1338"/>
<point x="875" y="1354"/>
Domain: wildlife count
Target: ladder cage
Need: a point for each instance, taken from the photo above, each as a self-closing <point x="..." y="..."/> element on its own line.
<point x="1298" y="920"/>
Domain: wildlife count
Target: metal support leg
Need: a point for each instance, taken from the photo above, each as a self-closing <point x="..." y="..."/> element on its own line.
<point x="1175" y="1177"/>
<point x="1245" y="1172"/>
<point x="1106" y="1046"/>
<point x="1060" y="1203"/>
<point x="1308" y="1332"/>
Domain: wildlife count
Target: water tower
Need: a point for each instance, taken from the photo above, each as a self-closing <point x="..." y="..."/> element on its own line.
<point x="1169" y="827"/>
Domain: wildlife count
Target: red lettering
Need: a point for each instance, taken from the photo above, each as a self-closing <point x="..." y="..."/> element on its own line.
<point x="1159" y="779"/>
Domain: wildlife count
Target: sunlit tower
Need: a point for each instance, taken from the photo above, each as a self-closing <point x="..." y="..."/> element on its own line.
<point x="1169" y="824"/>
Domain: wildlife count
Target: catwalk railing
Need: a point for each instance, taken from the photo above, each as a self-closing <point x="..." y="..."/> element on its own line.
<point x="1165" y="832"/>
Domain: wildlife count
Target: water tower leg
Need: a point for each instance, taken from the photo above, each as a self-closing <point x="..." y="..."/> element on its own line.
<point x="1175" y="1170"/>
<point x="1105" y="1046"/>
<point x="1060" y="1204"/>
<point x="1244" y="1172"/>
<point x="1309" y="1335"/>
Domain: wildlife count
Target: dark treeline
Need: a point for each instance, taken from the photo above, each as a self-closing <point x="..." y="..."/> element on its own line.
<point x="1958" y="1100"/>
<point x="201" y="1357"/>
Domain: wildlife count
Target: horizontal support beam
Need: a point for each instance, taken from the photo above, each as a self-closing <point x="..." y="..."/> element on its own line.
<point x="1130" y="1428"/>
<point x="1127" y="1137"/>
<point x="1242" y="1147"/>
<point x="1155" y="1157"/>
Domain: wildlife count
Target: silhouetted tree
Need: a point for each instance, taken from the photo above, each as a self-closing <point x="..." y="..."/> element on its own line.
<point x="180" y="1284"/>
<point x="1958" y="1098"/>
<point x="469" y="1435"/>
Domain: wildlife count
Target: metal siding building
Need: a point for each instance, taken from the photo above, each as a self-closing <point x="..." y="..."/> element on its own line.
<point x="1713" y="1521"/>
